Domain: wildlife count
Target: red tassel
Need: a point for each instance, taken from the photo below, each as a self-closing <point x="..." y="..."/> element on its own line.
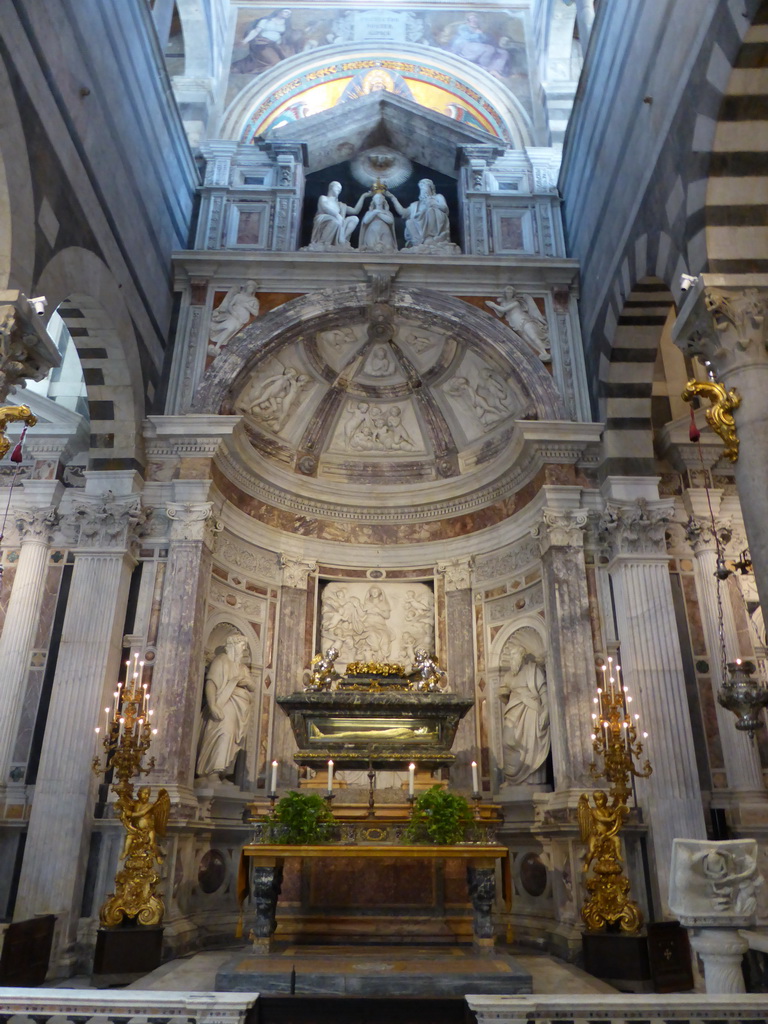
<point x="693" y="433"/>
<point x="16" y="454"/>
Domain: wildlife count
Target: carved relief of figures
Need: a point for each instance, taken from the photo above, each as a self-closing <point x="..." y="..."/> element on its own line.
<point x="377" y="230"/>
<point x="229" y="689"/>
<point x="377" y="622"/>
<point x="334" y="221"/>
<point x="714" y="880"/>
<point x="524" y="318"/>
<point x="233" y="313"/>
<point x="488" y="397"/>
<point x="376" y="428"/>
<point x="525" y="707"/>
<point x="427" y="226"/>
<point x="271" y="399"/>
<point x="381" y="362"/>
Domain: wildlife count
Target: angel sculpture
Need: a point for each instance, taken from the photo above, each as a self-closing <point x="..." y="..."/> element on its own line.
<point x="524" y="318"/>
<point x="232" y="314"/>
<point x="324" y="675"/>
<point x="135" y="882"/>
<point x="600" y="826"/>
<point x="428" y="672"/>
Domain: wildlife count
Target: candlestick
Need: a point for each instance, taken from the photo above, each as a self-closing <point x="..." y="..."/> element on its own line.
<point x="330" y="776"/>
<point x="475" y="778"/>
<point x="273" y="780"/>
<point x="411" y="773"/>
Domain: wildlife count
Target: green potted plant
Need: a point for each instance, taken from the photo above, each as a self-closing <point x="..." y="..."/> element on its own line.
<point x="440" y="817"/>
<point x="301" y="819"/>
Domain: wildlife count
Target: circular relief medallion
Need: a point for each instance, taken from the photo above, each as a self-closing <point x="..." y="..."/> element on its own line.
<point x="533" y="874"/>
<point x="212" y="871"/>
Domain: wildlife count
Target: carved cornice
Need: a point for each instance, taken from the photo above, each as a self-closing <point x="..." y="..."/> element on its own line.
<point x="722" y="323"/>
<point x="457" y="573"/>
<point x="36" y="524"/>
<point x="637" y="528"/>
<point x="192" y="521"/>
<point x="296" y="572"/>
<point x="262" y="565"/>
<point x="561" y="528"/>
<point x="106" y="522"/>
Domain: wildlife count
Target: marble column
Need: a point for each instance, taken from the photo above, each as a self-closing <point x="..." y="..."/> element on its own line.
<point x="291" y="659"/>
<point x="56" y="851"/>
<point x="571" y="673"/>
<point x="741" y="757"/>
<point x="178" y="672"/>
<point x="634" y="534"/>
<point x="35" y="528"/>
<point x="724" y="323"/>
<point x="460" y="662"/>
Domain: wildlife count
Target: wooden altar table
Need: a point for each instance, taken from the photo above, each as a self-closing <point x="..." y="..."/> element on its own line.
<point x="266" y="875"/>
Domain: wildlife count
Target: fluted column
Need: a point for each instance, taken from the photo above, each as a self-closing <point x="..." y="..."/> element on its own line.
<point x="652" y="668"/>
<point x="726" y="324"/>
<point x="35" y="528"/>
<point x="56" y="851"/>
<point x="460" y="661"/>
<point x="291" y="659"/>
<point x="178" y="673"/>
<point x="571" y="658"/>
<point x="740" y="755"/>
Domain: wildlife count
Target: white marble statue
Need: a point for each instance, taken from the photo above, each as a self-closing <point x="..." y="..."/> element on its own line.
<point x="427" y="227"/>
<point x="523" y="317"/>
<point x="380" y="362"/>
<point x="271" y="398"/>
<point x="714" y="883"/>
<point x="235" y="310"/>
<point x="377" y="229"/>
<point x="525" y="723"/>
<point x="334" y="221"/>
<point x="229" y="691"/>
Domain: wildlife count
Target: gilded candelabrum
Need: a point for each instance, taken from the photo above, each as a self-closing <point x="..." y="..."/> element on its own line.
<point x="128" y="734"/>
<point x="614" y="741"/>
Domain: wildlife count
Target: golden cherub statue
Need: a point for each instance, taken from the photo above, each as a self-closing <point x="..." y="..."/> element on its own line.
<point x="323" y="674"/>
<point x="135" y="883"/>
<point x="600" y="826"/>
<point x="609" y="899"/>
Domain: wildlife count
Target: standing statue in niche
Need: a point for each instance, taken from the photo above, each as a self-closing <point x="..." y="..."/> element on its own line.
<point x="427" y="227"/>
<point x="377" y="230"/>
<point x="228" y="698"/>
<point x="236" y="309"/>
<point x="523" y="317"/>
<point x="334" y="221"/>
<point x="525" y="724"/>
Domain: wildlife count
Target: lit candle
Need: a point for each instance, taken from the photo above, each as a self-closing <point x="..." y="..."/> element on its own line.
<point x="411" y="773"/>
<point x="141" y="671"/>
<point x="120" y="732"/>
<point x="475" y="778"/>
<point x="273" y="780"/>
<point x="330" y="776"/>
<point x="106" y="720"/>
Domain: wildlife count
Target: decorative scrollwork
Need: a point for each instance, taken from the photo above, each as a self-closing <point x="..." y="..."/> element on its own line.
<point x="720" y="414"/>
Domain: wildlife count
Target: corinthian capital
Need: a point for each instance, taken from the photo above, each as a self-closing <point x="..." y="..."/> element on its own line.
<point x="26" y="351"/>
<point x="457" y="573"/>
<point x="192" y="520"/>
<point x="560" y="528"/>
<point x="109" y="522"/>
<point x="295" y="572"/>
<point x="701" y="536"/>
<point x="36" y="524"/>
<point x="722" y="323"/>
<point x="635" y="528"/>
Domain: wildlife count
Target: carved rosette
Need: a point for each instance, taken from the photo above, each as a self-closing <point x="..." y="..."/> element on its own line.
<point x="701" y="537"/>
<point x="637" y="528"/>
<point x="561" y="529"/>
<point x="725" y="325"/>
<point x="457" y="573"/>
<point x="36" y="524"/>
<point x="192" y="521"/>
<point x="296" y="572"/>
<point x="110" y="523"/>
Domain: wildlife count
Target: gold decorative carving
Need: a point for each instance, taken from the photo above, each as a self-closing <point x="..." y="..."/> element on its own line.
<point x="13" y="414"/>
<point x="720" y="414"/>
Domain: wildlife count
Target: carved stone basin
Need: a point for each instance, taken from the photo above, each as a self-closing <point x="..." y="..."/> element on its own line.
<point x="383" y="730"/>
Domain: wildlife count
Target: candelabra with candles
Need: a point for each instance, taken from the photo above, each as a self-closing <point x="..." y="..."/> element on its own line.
<point x="128" y="732"/>
<point x="615" y="741"/>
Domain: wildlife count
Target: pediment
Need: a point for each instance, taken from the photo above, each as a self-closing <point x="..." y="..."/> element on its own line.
<point x="423" y="135"/>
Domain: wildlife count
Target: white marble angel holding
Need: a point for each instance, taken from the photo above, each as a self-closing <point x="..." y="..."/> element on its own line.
<point x="236" y="309"/>
<point x="524" y="318"/>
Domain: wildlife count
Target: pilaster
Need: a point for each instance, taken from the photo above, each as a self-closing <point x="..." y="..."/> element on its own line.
<point x="460" y="660"/>
<point x="634" y="535"/>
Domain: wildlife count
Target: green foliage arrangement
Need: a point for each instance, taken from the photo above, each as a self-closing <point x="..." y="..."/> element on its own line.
<point x="440" y="817"/>
<point x="301" y="819"/>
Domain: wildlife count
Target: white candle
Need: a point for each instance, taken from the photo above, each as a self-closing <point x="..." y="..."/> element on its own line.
<point x="475" y="778"/>
<point x="106" y="721"/>
<point x="411" y="773"/>
<point x="330" y="776"/>
<point x="273" y="780"/>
